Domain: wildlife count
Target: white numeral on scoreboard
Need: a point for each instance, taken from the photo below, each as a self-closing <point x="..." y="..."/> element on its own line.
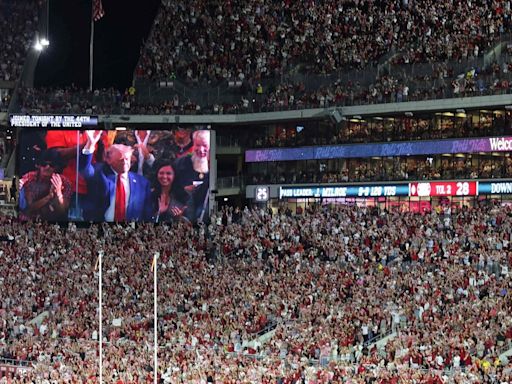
<point x="462" y="188"/>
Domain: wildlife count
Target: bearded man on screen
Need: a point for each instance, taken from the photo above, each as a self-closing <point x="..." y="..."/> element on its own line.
<point x="193" y="176"/>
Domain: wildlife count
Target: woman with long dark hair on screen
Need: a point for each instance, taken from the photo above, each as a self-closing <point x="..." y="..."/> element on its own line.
<point x="165" y="204"/>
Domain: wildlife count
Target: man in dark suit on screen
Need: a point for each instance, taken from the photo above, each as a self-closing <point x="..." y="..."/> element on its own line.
<point x="114" y="193"/>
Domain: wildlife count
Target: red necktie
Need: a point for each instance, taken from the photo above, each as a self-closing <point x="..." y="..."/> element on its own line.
<point x="120" y="209"/>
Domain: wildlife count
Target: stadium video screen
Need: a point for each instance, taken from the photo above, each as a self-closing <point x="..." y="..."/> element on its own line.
<point x="114" y="176"/>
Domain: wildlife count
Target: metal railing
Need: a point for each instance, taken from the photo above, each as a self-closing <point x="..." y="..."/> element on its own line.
<point x="228" y="141"/>
<point x="375" y="339"/>
<point x="271" y="325"/>
<point x="229" y="182"/>
<point x="222" y="93"/>
<point x="226" y="101"/>
<point x="15" y="362"/>
<point x="504" y="349"/>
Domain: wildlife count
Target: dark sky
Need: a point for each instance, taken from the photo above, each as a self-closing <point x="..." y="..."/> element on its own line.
<point x="117" y="40"/>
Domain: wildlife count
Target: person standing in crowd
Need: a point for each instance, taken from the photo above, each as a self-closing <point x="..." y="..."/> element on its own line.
<point x="46" y="193"/>
<point x="183" y="142"/>
<point x="139" y="140"/>
<point x="68" y="145"/>
<point x="192" y="176"/>
<point x="115" y="193"/>
<point x="148" y="146"/>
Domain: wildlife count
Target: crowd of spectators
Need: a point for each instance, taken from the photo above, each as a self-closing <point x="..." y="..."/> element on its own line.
<point x="194" y="43"/>
<point x="382" y="169"/>
<point x="329" y="280"/>
<point x="378" y="129"/>
<point x="18" y="25"/>
<point x="5" y="99"/>
<point x="282" y="97"/>
<point x="205" y="42"/>
<point x="397" y="86"/>
<point x="72" y="100"/>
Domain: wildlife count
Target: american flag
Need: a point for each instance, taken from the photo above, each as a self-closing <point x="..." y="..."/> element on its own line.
<point x="97" y="10"/>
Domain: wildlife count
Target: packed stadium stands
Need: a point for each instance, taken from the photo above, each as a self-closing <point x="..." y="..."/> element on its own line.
<point x="281" y="97"/>
<point x="374" y="129"/>
<point x="367" y="170"/>
<point x="18" y="25"/>
<point x="334" y="292"/>
<point x="346" y="278"/>
<point x="287" y="42"/>
<point x="207" y="41"/>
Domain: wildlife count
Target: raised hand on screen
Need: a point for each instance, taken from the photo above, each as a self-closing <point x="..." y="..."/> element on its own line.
<point x="163" y="203"/>
<point x="93" y="137"/>
<point x="56" y="181"/>
<point x="192" y="187"/>
<point x="176" y="211"/>
<point x="144" y="149"/>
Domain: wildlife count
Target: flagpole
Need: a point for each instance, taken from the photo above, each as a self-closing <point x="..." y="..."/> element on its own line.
<point x="155" y="317"/>
<point x="91" y="52"/>
<point x="97" y="12"/>
<point x="77" y="160"/>
<point x="100" y="289"/>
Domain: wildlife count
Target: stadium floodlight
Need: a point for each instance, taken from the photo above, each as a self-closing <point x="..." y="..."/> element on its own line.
<point x="45" y="42"/>
<point x="38" y="46"/>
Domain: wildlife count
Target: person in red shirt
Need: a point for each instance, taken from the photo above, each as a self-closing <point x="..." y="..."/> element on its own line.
<point x="46" y="193"/>
<point x="65" y="143"/>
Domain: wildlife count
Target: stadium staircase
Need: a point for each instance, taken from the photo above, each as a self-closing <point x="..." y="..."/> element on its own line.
<point x="506" y="355"/>
<point x="494" y="54"/>
<point x="38" y="320"/>
<point x="262" y="337"/>
<point x="379" y="342"/>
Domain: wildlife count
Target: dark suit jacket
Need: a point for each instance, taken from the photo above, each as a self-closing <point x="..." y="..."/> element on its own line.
<point x="101" y="184"/>
<point x="196" y="201"/>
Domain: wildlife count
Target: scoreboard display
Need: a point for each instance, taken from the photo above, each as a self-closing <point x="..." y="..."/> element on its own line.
<point x="448" y="188"/>
<point x="443" y="188"/>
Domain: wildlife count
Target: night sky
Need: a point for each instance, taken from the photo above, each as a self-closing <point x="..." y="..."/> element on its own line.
<point x="117" y="41"/>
